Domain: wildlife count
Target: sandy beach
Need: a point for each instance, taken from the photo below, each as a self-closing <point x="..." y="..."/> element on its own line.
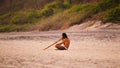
<point x="88" y="49"/>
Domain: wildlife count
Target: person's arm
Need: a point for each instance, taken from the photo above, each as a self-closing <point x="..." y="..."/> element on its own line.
<point x="61" y="42"/>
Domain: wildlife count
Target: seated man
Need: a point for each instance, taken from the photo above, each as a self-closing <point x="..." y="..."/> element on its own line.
<point x="64" y="44"/>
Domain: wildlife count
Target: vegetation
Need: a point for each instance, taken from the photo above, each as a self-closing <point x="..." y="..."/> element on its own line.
<point x="113" y="14"/>
<point x="55" y="14"/>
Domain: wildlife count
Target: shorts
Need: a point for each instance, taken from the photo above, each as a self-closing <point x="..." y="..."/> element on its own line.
<point x="60" y="47"/>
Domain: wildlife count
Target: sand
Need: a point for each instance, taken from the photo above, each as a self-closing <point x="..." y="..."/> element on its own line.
<point x="88" y="49"/>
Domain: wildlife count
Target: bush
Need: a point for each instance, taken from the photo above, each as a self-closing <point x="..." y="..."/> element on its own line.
<point x="13" y="27"/>
<point x="67" y="4"/>
<point x="24" y="17"/>
<point x="51" y="23"/>
<point x="33" y="15"/>
<point x="4" y="19"/>
<point x="106" y="4"/>
<point x="64" y="19"/>
<point x="53" y="8"/>
<point x="77" y="8"/>
<point x="7" y="28"/>
<point x="56" y="15"/>
<point x="47" y="12"/>
<point x="113" y="14"/>
<point x="19" y="19"/>
<point x="92" y="9"/>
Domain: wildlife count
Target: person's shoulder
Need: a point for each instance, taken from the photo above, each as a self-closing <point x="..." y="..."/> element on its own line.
<point x="65" y="39"/>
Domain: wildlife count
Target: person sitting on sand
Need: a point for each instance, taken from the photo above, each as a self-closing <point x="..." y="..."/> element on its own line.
<point x="64" y="44"/>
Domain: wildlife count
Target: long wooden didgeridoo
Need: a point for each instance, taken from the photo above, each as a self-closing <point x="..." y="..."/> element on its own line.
<point x="51" y="44"/>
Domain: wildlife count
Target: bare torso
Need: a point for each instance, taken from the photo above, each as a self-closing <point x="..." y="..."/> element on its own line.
<point x="66" y="42"/>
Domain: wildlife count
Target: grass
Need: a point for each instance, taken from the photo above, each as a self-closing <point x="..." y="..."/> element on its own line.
<point x="79" y="13"/>
<point x="24" y="17"/>
<point x="113" y="14"/>
<point x="57" y="15"/>
<point x="16" y="28"/>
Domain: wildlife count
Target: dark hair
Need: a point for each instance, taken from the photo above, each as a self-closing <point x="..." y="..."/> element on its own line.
<point x="64" y="35"/>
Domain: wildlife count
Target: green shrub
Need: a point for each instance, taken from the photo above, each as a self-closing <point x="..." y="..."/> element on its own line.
<point x="104" y="5"/>
<point x="23" y="17"/>
<point x="77" y="8"/>
<point x="24" y="27"/>
<point x="56" y="15"/>
<point x="33" y="15"/>
<point x="77" y="13"/>
<point x="19" y="19"/>
<point x="51" y="23"/>
<point x="7" y="28"/>
<point x="13" y="27"/>
<point x="64" y="19"/>
<point x="92" y="9"/>
<point x="5" y="18"/>
<point x="67" y="4"/>
<point x="47" y="12"/>
<point x="113" y="14"/>
<point x="53" y="8"/>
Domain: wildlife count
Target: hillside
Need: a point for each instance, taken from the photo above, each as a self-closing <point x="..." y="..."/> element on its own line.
<point x="29" y="15"/>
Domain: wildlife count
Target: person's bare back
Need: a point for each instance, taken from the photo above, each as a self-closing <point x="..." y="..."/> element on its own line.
<point x="66" y="42"/>
<point x="64" y="45"/>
